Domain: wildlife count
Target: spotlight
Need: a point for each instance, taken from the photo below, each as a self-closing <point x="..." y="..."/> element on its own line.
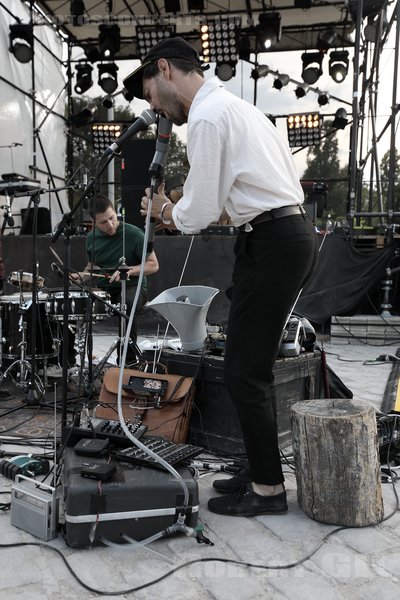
<point x="109" y="40"/>
<point x="21" y="42"/>
<point x="323" y="98"/>
<point x="83" y="117"/>
<point x="149" y="35"/>
<point x="261" y="71"/>
<point x="84" y="79"/>
<point x="340" y="121"/>
<point x="338" y="65"/>
<point x="281" y="81"/>
<point x="268" y="31"/>
<point x="304" y="129"/>
<point x="127" y="95"/>
<point x="225" y="71"/>
<point x="172" y="6"/>
<point x="326" y="39"/>
<point x="196" y="5"/>
<point x="312" y="66"/>
<point x="108" y="102"/>
<point x="108" y="77"/>
<point x="219" y="42"/>
<point x="104" y="134"/>
<point x="301" y="90"/>
<point x="77" y="9"/>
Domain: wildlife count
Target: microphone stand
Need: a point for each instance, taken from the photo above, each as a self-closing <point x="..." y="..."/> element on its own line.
<point x="34" y="392"/>
<point x="65" y="228"/>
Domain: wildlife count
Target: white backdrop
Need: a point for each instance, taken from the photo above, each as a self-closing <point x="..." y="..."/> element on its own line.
<point x="16" y="116"/>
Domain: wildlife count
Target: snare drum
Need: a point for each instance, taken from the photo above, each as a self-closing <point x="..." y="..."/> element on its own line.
<point x="78" y="302"/>
<point x="13" y="314"/>
<point x="24" y="280"/>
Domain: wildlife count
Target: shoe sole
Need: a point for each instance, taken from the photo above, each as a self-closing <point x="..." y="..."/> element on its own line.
<point x="250" y="514"/>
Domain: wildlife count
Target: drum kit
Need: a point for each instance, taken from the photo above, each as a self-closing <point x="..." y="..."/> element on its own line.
<point x="17" y="348"/>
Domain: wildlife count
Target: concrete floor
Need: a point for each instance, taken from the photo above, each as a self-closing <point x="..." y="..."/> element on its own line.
<point x="274" y="557"/>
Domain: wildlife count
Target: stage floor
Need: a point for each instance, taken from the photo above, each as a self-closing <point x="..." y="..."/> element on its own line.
<point x="355" y="563"/>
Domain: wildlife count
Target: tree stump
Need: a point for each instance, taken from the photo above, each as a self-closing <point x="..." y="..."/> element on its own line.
<point x="335" y="445"/>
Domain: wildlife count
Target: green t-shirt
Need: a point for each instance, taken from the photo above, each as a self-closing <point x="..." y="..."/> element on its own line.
<point x="106" y="251"/>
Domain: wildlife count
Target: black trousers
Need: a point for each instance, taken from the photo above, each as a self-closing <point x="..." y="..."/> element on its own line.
<point x="273" y="262"/>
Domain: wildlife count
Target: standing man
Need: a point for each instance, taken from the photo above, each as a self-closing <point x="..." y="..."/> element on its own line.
<point x="105" y="246"/>
<point x="238" y="162"/>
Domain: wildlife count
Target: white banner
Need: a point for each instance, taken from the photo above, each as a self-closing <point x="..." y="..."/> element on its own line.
<point x="38" y="133"/>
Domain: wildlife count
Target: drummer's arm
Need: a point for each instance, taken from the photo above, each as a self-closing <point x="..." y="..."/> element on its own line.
<point x="150" y="266"/>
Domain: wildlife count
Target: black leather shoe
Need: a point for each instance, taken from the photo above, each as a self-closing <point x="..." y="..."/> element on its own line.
<point x="233" y="484"/>
<point x="246" y="503"/>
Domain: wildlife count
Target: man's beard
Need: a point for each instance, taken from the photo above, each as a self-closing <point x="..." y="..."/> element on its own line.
<point x="172" y="105"/>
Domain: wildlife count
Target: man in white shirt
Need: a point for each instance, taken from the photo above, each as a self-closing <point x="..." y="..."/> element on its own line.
<point x="238" y="163"/>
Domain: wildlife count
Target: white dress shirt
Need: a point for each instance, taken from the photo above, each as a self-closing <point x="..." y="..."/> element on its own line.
<point x="237" y="161"/>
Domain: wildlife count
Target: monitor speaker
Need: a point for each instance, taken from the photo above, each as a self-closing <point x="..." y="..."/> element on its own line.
<point x="137" y="158"/>
<point x="43" y="221"/>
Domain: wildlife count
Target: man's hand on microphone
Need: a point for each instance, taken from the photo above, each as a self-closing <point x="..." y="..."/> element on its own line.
<point x="159" y="199"/>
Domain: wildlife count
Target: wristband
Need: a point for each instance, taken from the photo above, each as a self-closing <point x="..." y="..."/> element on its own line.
<point x="165" y="221"/>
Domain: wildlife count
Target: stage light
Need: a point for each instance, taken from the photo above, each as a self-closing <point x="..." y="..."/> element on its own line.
<point x="127" y="95"/>
<point x="104" y="134"/>
<point x="172" y="6"/>
<point x="268" y="31"/>
<point x="301" y="90"/>
<point x="108" y="102"/>
<point x="261" y="71"/>
<point x="149" y="35"/>
<point x="304" y="129"/>
<point x="83" y="117"/>
<point x="312" y="66"/>
<point x="196" y="5"/>
<point x="91" y="52"/>
<point x="109" y="40"/>
<point x="326" y="39"/>
<point x="219" y="42"/>
<point x="84" y="79"/>
<point x="108" y="80"/>
<point x="340" y="121"/>
<point x="21" y="42"/>
<point x="323" y="98"/>
<point x="77" y="9"/>
<point x="281" y="81"/>
<point x="338" y="65"/>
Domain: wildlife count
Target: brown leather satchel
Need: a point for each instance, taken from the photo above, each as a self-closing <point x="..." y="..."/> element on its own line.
<point x="167" y="415"/>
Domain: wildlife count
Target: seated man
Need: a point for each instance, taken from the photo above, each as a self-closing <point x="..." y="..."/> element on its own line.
<point x="104" y="247"/>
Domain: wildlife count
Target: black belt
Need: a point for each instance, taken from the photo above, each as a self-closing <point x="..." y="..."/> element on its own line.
<point x="275" y="213"/>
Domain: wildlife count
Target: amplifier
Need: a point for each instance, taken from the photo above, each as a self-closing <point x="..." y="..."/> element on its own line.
<point x="34" y="507"/>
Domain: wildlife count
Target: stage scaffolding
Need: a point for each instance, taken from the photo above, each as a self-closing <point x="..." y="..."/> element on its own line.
<point x="382" y="19"/>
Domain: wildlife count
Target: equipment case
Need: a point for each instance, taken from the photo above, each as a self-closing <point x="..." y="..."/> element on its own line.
<point x="137" y="501"/>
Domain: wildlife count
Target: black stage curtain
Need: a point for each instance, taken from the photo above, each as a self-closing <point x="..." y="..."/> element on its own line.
<point x="343" y="278"/>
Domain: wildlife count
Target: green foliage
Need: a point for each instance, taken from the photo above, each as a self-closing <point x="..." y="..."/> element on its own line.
<point x="82" y="151"/>
<point x="323" y="164"/>
<point x="394" y="178"/>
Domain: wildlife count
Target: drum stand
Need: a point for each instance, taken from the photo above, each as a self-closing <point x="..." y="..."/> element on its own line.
<point x="24" y="366"/>
<point x="118" y="343"/>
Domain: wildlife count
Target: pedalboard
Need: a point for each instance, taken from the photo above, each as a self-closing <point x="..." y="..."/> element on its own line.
<point x="103" y="429"/>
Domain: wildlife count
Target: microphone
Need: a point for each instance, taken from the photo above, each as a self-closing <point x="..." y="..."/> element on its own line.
<point x="157" y="167"/>
<point x="148" y="117"/>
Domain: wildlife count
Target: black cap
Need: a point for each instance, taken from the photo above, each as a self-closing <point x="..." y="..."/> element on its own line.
<point x="175" y="47"/>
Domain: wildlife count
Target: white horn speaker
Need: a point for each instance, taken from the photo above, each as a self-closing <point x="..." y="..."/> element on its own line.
<point x="185" y="307"/>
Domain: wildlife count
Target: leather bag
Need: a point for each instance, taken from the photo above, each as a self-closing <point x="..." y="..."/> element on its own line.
<point x="167" y="416"/>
